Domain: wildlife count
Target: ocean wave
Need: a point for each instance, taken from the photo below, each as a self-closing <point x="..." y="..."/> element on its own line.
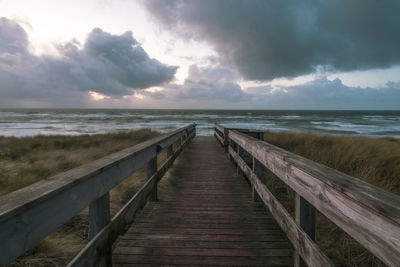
<point x="70" y="122"/>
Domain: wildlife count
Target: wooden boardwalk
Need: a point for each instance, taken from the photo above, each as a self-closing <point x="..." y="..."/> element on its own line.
<point x="204" y="216"/>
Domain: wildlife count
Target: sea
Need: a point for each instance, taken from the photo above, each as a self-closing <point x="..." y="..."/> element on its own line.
<point x="32" y="122"/>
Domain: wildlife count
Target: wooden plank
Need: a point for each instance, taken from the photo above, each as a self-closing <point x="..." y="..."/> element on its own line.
<point x="217" y="252"/>
<point x="150" y="170"/>
<point x="195" y="231"/>
<point x="215" y="226"/>
<point x="302" y="243"/>
<point x="275" y="235"/>
<point x="169" y="151"/>
<point x="89" y="255"/>
<point x="367" y="213"/>
<point x="133" y="260"/>
<point x="30" y="214"/>
<point x="99" y="214"/>
<point x="156" y="243"/>
<point x="257" y="169"/>
<point x="305" y="218"/>
<point x="220" y="139"/>
<point x="219" y="128"/>
<point x="204" y="210"/>
<point x="99" y="217"/>
<point x="222" y="135"/>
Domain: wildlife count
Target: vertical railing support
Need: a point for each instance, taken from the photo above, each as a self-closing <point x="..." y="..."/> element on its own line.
<point x="226" y="139"/>
<point x="99" y="217"/>
<point x="169" y="151"/>
<point x="240" y="154"/>
<point x="178" y="143"/>
<point x="257" y="169"/>
<point x="261" y="136"/>
<point x="151" y="170"/>
<point x="305" y="218"/>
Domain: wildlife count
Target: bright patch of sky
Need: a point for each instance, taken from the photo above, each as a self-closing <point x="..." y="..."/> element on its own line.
<point x="49" y="23"/>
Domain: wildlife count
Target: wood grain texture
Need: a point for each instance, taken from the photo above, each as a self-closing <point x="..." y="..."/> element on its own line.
<point x="204" y="216"/>
<point x="367" y="213"/>
<point x="92" y="253"/>
<point x="302" y="243"/>
<point x="151" y="169"/>
<point x="99" y="214"/>
<point x="30" y="214"/>
<point x="305" y="218"/>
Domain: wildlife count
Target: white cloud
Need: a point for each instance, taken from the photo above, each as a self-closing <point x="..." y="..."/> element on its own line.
<point x="107" y="64"/>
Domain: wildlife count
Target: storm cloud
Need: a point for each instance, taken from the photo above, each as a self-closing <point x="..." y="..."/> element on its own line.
<point x="112" y="65"/>
<point x="205" y="84"/>
<point x="323" y="93"/>
<point x="217" y="87"/>
<point x="270" y="39"/>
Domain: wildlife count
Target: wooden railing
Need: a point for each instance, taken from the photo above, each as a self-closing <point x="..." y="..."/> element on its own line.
<point x="367" y="213"/>
<point x="30" y="214"/>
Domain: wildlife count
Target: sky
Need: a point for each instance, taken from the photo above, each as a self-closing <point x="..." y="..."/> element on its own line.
<point x="248" y="54"/>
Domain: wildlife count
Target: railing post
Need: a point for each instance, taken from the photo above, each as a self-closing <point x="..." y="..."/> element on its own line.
<point x="257" y="169"/>
<point x="226" y="139"/>
<point x="305" y="218"/>
<point x="151" y="170"/>
<point x="99" y="217"/>
<point x="261" y="136"/>
<point x="178" y="143"/>
<point x="240" y="153"/>
<point x="169" y="151"/>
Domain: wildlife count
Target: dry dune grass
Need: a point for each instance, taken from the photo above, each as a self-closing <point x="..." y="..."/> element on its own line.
<point x="24" y="161"/>
<point x="374" y="160"/>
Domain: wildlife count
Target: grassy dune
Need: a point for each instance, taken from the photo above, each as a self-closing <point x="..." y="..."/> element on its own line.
<point x="24" y="161"/>
<point x="374" y="160"/>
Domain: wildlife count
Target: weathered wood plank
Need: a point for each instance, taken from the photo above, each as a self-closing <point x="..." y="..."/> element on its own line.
<point x="166" y="243"/>
<point x="305" y="218"/>
<point x="150" y="170"/>
<point x="302" y="243"/>
<point x="257" y="169"/>
<point x="233" y="252"/>
<point x="195" y="231"/>
<point x="214" y="226"/>
<point x="30" y="214"/>
<point x="169" y="151"/>
<point x="133" y="260"/>
<point x="99" y="217"/>
<point x="220" y="139"/>
<point x="205" y="210"/>
<point x="99" y="214"/>
<point x="89" y="255"/>
<point x="367" y="213"/>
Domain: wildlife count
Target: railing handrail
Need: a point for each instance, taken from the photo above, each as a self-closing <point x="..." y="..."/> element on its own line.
<point x="30" y="214"/>
<point x="367" y="213"/>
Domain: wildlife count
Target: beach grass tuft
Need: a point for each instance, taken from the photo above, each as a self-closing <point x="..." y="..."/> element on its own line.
<point x="373" y="160"/>
<point x="24" y="161"/>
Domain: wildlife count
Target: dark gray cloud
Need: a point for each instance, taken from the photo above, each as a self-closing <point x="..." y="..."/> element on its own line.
<point x="217" y="87"/>
<point x="322" y="93"/>
<point x="113" y="65"/>
<point x="204" y="84"/>
<point x="270" y="39"/>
